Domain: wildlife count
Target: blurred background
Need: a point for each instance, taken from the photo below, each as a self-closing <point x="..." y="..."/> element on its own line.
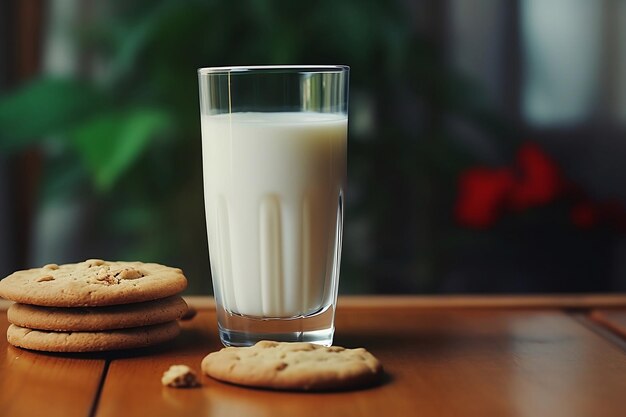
<point x="487" y="146"/>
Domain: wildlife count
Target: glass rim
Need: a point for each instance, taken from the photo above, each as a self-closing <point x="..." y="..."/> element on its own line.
<point x="274" y="68"/>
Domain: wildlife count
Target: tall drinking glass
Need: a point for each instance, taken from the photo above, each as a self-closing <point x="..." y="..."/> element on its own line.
<point x="274" y="160"/>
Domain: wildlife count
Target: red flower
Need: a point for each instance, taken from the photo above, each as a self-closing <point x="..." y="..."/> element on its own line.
<point x="482" y="192"/>
<point x="539" y="180"/>
<point x="535" y="180"/>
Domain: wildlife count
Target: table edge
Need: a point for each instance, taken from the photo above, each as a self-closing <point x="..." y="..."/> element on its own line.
<point x="560" y="301"/>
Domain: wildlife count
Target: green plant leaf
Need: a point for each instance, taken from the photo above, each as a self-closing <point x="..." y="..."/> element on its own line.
<point x="46" y="106"/>
<point x="109" y="144"/>
<point x="132" y="41"/>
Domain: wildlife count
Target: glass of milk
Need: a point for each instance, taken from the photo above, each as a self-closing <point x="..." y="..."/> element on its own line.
<point x="274" y="158"/>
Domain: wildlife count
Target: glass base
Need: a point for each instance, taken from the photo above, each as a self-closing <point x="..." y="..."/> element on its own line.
<point x="238" y="339"/>
<point x="238" y="330"/>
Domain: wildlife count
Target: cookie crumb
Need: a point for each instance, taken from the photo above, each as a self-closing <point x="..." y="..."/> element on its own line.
<point x="107" y="278"/>
<point x="45" y="278"/>
<point x="94" y="262"/>
<point x="180" y="376"/>
<point x="51" y="266"/>
<point x="128" y="273"/>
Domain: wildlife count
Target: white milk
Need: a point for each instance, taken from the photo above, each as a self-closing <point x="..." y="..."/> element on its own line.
<point x="272" y="183"/>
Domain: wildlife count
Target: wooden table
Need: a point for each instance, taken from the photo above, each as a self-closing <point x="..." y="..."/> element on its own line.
<point x="444" y="356"/>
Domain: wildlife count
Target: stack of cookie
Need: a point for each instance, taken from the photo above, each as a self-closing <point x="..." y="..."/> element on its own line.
<point x="94" y="306"/>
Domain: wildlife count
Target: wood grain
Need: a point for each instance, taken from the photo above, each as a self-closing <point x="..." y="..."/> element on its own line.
<point x="133" y="384"/>
<point x="461" y="360"/>
<point x="39" y="384"/>
<point x="439" y="362"/>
